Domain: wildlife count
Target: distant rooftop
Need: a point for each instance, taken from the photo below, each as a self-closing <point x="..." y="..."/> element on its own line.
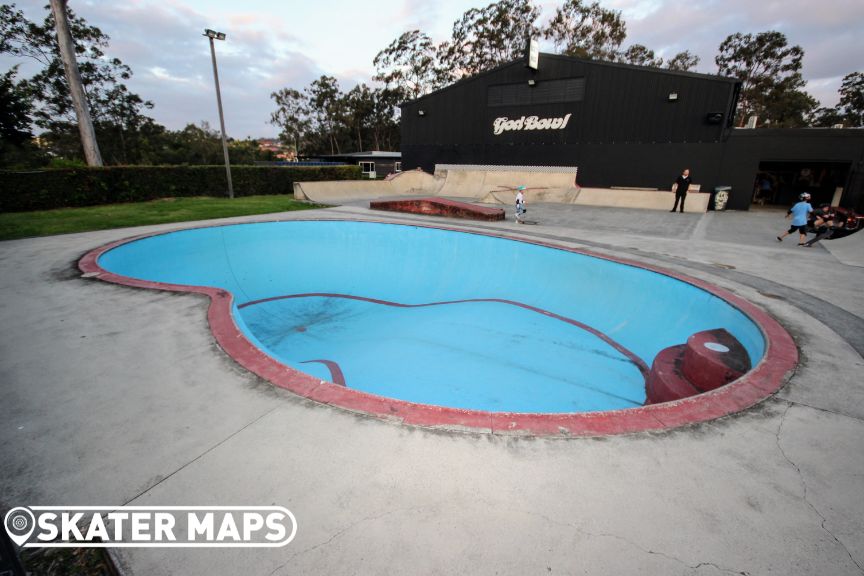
<point x="370" y="154"/>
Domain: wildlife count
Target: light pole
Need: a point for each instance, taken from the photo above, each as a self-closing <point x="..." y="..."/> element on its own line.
<point x="211" y="34"/>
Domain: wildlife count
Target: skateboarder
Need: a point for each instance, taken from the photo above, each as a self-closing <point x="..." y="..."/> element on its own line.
<point x="799" y="213"/>
<point x="520" y="204"/>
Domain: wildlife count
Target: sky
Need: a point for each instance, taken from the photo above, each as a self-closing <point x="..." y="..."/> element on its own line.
<point x="272" y="45"/>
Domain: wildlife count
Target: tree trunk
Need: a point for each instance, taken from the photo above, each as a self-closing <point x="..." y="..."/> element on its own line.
<point x="76" y="89"/>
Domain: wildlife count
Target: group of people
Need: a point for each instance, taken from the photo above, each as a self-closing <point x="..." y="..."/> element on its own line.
<point x="682" y="184"/>
<point x="823" y="222"/>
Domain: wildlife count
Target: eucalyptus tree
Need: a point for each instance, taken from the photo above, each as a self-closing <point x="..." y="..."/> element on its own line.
<point x="770" y="72"/>
<point x="112" y="106"/>
<point x="587" y="30"/>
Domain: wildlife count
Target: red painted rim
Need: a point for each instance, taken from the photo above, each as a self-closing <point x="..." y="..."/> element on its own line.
<point x="781" y="356"/>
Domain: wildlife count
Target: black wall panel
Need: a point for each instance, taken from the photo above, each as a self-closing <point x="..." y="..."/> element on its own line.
<point x="623" y="129"/>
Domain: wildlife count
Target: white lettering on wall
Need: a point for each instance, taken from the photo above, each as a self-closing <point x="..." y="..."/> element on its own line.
<point x="505" y="124"/>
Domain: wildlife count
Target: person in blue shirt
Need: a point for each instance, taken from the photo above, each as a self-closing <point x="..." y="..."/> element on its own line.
<point x="799" y="213"/>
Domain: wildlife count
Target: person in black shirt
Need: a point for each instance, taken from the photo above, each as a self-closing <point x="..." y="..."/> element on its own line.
<point x="824" y="224"/>
<point x="682" y="183"/>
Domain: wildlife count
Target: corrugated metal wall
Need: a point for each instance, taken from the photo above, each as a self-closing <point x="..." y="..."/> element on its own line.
<point x="621" y="104"/>
<point x="623" y="129"/>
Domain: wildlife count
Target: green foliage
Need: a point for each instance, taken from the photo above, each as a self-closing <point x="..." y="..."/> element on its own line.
<point x="488" y="37"/>
<point x="43" y="190"/>
<point x="327" y="105"/>
<point x="849" y="112"/>
<point x="825" y="118"/>
<point x="852" y="99"/>
<point x="117" y="113"/>
<point x="683" y="62"/>
<point x="292" y="116"/>
<point x="15" y="109"/>
<point x="17" y="149"/>
<point x="770" y="72"/>
<point x="68" y="220"/>
<point x="587" y="31"/>
<point x="66" y="164"/>
<point x="409" y="64"/>
<point x="324" y="120"/>
<point x="639" y="55"/>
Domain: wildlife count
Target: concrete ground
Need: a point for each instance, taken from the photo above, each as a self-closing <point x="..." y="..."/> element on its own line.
<point x="113" y="395"/>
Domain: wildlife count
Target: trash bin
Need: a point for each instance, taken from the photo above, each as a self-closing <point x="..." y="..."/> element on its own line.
<point x="721" y="197"/>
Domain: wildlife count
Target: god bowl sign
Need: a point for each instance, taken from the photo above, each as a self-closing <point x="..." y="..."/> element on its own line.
<point x="505" y="124"/>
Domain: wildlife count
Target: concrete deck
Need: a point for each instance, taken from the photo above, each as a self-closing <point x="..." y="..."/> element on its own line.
<point x="113" y="395"/>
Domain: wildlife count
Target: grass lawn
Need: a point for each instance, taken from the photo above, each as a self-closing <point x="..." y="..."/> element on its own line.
<point x="65" y="220"/>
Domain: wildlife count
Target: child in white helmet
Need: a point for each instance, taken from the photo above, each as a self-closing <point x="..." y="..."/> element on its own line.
<point x="520" y="204"/>
<point x="799" y="213"/>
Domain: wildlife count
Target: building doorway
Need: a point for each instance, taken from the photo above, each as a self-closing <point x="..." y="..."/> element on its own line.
<point x="780" y="183"/>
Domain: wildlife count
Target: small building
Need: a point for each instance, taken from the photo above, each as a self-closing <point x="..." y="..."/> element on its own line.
<point x="627" y="126"/>
<point x="374" y="164"/>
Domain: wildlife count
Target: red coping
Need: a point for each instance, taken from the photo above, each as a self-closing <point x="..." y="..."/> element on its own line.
<point x="781" y="357"/>
<point x="439" y="207"/>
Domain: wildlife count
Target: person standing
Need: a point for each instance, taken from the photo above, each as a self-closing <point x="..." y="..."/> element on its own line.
<point x="520" y="203"/>
<point x="682" y="184"/>
<point x="799" y="213"/>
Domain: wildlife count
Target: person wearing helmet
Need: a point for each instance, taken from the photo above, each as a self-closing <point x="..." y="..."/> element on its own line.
<point x="520" y="204"/>
<point x="799" y="213"/>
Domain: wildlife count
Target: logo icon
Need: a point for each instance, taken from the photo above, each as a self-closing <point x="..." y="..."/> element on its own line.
<point x="19" y="523"/>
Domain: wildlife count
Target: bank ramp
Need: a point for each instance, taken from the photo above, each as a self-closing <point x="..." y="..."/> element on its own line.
<point x="849" y="250"/>
<point x="495" y="185"/>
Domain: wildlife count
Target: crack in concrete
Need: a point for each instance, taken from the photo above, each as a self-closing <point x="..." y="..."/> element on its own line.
<point x="780" y="397"/>
<point x="806" y="488"/>
<point x="339" y="533"/>
<point x="201" y="455"/>
<point x="627" y="541"/>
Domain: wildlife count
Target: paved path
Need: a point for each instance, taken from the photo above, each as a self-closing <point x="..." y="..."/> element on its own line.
<point x="112" y="395"/>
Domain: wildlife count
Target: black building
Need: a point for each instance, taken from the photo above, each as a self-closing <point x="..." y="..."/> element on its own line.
<point x="625" y="125"/>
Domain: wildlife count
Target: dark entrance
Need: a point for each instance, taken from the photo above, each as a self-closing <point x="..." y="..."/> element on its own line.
<point x="780" y="183"/>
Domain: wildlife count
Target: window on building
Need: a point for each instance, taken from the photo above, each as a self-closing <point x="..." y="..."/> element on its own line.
<point x="544" y="92"/>
<point x="367" y="168"/>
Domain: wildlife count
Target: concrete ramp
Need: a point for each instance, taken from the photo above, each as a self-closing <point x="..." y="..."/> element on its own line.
<point x="411" y="183"/>
<point x="496" y="185"/>
<point x="462" y="183"/>
<point x="696" y="202"/>
<point x="848" y="250"/>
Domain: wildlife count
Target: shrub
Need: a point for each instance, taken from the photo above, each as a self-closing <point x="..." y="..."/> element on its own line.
<point x="47" y="189"/>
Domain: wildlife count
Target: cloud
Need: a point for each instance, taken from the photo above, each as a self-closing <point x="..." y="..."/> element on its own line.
<point x="269" y="47"/>
<point x="828" y="33"/>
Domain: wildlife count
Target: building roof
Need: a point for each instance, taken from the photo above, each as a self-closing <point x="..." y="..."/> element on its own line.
<point x="364" y="155"/>
<point x="545" y="55"/>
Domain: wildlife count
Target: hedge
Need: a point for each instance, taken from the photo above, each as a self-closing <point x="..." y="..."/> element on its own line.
<point x="44" y="190"/>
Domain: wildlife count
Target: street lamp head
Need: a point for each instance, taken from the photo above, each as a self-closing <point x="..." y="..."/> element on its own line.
<point x="213" y="34"/>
